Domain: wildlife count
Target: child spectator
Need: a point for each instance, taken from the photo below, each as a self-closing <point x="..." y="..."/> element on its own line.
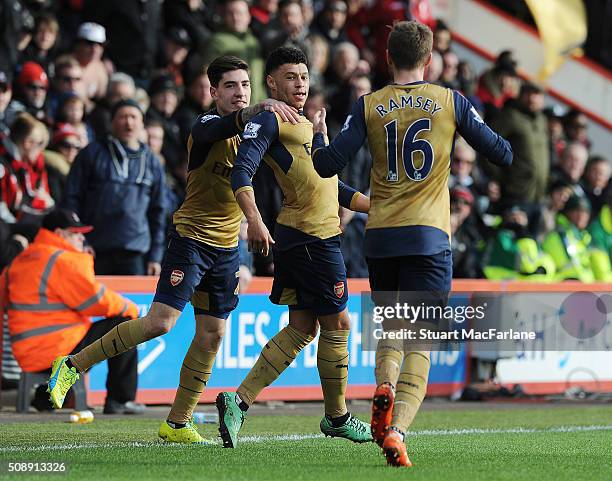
<point x="72" y="111"/>
<point x="63" y="149"/>
<point x="41" y="48"/>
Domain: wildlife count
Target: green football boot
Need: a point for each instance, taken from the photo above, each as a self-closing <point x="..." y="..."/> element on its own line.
<point x="61" y="380"/>
<point x="186" y="435"/>
<point x="353" y="429"/>
<point x="231" y="418"/>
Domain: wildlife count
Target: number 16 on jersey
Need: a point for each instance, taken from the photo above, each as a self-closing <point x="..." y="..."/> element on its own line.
<point x="410" y="145"/>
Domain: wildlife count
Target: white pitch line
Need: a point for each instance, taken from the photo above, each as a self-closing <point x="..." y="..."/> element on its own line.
<point x="303" y="437"/>
<point x="468" y="431"/>
<point x="279" y="437"/>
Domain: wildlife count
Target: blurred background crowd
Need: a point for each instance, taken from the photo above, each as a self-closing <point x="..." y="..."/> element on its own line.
<point x="65" y="66"/>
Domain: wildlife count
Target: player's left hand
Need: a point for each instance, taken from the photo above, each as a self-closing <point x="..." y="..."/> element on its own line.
<point x="286" y="112"/>
<point x="259" y="238"/>
<point x="346" y="216"/>
<point x="153" y="268"/>
<point x="318" y="124"/>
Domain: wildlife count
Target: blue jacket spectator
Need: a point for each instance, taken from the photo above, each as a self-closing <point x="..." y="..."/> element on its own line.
<point x="118" y="186"/>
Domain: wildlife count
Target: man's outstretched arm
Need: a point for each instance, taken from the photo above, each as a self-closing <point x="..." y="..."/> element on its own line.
<point x="479" y="135"/>
<point x="331" y="159"/>
<point x="211" y="127"/>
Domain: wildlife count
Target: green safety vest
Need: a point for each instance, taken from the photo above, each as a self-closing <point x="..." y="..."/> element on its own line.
<point x="509" y="258"/>
<point x="573" y="255"/>
<point x="601" y="231"/>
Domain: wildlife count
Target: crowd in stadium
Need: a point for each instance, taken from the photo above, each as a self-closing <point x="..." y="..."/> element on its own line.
<point x="70" y="70"/>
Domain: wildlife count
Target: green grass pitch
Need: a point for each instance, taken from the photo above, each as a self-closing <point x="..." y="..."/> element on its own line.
<point x="532" y="443"/>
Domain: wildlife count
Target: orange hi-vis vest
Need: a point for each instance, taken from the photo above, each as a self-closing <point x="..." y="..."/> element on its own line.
<point x="50" y="291"/>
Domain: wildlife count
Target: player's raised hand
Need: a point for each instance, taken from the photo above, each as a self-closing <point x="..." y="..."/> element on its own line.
<point x="319" y="126"/>
<point x="259" y="237"/>
<point x="286" y="112"/>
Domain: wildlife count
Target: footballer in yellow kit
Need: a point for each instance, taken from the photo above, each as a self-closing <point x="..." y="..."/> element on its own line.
<point x="201" y="260"/>
<point x="309" y="271"/>
<point x="410" y="127"/>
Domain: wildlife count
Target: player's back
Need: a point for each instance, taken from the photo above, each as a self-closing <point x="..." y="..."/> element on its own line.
<point x="410" y="131"/>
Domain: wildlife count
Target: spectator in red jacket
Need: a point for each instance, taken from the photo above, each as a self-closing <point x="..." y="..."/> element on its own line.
<point x="262" y="13"/>
<point x="6" y="93"/>
<point x="498" y="84"/>
<point x="28" y="195"/>
<point x="368" y="28"/>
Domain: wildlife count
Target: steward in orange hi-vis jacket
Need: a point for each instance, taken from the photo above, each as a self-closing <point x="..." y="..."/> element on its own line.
<point x="50" y="291"/>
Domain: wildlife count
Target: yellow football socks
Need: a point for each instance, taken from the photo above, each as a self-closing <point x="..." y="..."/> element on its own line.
<point x="389" y="355"/>
<point x="121" y="338"/>
<point x="332" y="362"/>
<point x="411" y="388"/>
<point x="195" y="373"/>
<point x="275" y="357"/>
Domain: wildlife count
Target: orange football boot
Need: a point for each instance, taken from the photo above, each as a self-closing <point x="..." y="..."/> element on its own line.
<point x="382" y="411"/>
<point x="394" y="449"/>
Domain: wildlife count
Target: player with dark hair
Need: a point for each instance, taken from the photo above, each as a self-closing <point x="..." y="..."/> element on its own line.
<point x="201" y="261"/>
<point x="410" y="126"/>
<point x="309" y="272"/>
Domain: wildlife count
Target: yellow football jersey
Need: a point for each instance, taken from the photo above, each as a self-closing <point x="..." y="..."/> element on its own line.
<point x="210" y="213"/>
<point x="405" y="122"/>
<point x="311" y="203"/>
<point x="410" y="130"/>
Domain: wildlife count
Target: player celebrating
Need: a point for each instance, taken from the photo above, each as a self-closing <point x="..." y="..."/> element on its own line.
<point x="309" y="273"/>
<point x="410" y="126"/>
<point x="201" y="262"/>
